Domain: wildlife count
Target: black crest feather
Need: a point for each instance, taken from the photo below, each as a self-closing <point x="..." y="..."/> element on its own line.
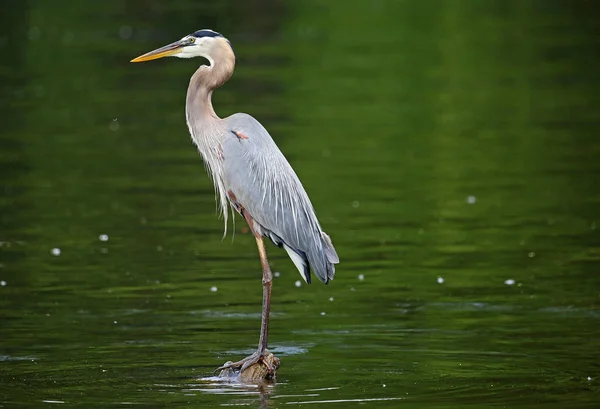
<point x="206" y="33"/>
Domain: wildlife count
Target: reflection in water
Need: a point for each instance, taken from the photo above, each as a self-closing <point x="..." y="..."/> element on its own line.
<point x="238" y="394"/>
<point x="342" y="401"/>
<point x="266" y="394"/>
<point x="460" y="145"/>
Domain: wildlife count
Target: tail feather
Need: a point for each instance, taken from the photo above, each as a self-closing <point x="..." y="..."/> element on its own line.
<point x="321" y="257"/>
<point x="300" y="261"/>
<point x="329" y="249"/>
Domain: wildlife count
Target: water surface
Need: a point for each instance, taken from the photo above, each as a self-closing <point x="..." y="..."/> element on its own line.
<point x="451" y="153"/>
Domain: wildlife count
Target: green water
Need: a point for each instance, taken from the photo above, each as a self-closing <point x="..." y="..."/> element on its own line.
<point x="451" y="149"/>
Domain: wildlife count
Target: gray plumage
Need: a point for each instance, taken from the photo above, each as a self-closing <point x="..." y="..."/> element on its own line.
<point x="249" y="172"/>
<point x="266" y="186"/>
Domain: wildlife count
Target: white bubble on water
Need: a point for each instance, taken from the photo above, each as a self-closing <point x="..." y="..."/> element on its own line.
<point x="509" y="281"/>
<point x="55" y="251"/>
<point x="330" y="298"/>
<point x="213" y="289"/>
<point x="114" y="125"/>
<point x="276" y="274"/>
<point x="298" y="283"/>
<point x="440" y="280"/>
<point x="471" y="199"/>
<point x="361" y="277"/>
<point x="531" y="254"/>
<point x="323" y="313"/>
<point x="3" y="283"/>
<point x="355" y="204"/>
<point x="103" y="237"/>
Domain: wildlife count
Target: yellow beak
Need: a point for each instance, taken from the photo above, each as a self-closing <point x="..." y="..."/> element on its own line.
<point x="167" y="50"/>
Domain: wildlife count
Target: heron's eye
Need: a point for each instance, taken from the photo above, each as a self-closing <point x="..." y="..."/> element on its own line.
<point x="192" y="40"/>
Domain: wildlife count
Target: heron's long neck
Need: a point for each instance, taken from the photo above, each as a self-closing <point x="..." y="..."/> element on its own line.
<point x="205" y="125"/>
<point x="206" y="79"/>
<point x="206" y="128"/>
<point x="199" y="101"/>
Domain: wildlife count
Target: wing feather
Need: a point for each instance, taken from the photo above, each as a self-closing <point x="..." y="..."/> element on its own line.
<point x="267" y="187"/>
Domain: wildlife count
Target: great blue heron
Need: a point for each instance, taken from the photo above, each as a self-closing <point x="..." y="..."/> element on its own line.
<point x="250" y="174"/>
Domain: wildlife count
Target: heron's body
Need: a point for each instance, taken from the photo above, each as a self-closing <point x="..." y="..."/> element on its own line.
<point x="249" y="171"/>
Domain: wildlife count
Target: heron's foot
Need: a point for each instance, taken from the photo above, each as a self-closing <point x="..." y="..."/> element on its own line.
<point x="254" y="368"/>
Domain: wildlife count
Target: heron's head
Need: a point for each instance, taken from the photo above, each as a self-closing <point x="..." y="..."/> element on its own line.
<point x="202" y="43"/>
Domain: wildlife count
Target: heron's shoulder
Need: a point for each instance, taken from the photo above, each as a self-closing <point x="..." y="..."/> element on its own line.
<point x="245" y="122"/>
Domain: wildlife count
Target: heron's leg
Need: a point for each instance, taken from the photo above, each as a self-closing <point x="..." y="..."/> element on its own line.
<point x="267" y="280"/>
